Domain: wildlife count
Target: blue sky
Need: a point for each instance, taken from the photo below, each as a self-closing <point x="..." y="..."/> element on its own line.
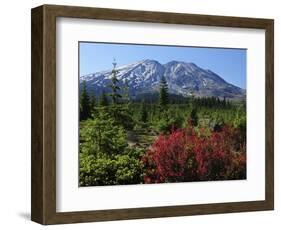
<point x="230" y="64"/>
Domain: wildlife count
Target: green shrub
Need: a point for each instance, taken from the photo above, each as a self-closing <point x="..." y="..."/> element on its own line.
<point x="125" y="168"/>
<point x="165" y="125"/>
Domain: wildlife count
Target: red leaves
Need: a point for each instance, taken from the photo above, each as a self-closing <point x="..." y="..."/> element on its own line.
<point x="186" y="155"/>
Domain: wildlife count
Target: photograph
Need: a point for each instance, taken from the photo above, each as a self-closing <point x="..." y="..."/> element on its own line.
<point x="153" y="113"/>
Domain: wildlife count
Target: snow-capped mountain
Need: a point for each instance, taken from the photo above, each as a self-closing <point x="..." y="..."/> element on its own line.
<point x="182" y="79"/>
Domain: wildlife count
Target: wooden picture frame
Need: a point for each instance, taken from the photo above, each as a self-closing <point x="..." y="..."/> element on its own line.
<point x="43" y="202"/>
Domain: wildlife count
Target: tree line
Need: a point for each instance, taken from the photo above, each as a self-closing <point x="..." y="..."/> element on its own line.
<point x="120" y="95"/>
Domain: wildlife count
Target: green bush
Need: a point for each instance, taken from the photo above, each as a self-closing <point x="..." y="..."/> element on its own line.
<point x="125" y="168"/>
<point x="105" y="158"/>
<point x="165" y="125"/>
<point x="100" y="171"/>
<point x="129" y="170"/>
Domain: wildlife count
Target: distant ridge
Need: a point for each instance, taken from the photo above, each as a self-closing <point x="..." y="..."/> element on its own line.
<point x="183" y="79"/>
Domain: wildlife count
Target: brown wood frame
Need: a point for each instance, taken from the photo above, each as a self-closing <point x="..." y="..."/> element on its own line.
<point x="43" y="160"/>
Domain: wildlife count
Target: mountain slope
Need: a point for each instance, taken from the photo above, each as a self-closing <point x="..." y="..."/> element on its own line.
<point x="182" y="79"/>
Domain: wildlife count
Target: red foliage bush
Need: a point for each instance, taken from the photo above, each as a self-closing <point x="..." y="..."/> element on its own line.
<point x="189" y="155"/>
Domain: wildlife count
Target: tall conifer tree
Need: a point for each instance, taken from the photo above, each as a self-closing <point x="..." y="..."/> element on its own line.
<point x="92" y="103"/>
<point x="103" y="99"/>
<point x="85" y="110"/>
<point x="126" y="94"/>
<point x="143" y="113"/>
<point x="164" y="96"/>
<point x="114" y="85"/>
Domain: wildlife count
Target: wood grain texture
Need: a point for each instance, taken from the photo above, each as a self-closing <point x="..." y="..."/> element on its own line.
<point x="43" y="207"/>
<point x="37" y="115"/>
<point x="269" y="116"/>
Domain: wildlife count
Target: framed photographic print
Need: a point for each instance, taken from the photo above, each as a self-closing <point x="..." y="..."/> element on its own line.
<point x="141" y="114"/>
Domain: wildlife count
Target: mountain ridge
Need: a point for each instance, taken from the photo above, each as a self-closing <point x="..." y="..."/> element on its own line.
<point x="183" y="78"/>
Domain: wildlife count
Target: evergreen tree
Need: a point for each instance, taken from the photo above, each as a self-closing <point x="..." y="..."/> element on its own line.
<point x="126" y="95"/>
<point x="224" y="102"/>
<point x="92" y="103"/>
<point x="102" y="136"/>
<point x="103" y="99"/>
<point x="85" y="110"/>
<point x="228" y="104"/>
<point x="114" y="85"/>
<point x="218" y="101"/>
<point x="143" y="114"/>
<point x="194" y="117"/>
<point x="164" y="96"/>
